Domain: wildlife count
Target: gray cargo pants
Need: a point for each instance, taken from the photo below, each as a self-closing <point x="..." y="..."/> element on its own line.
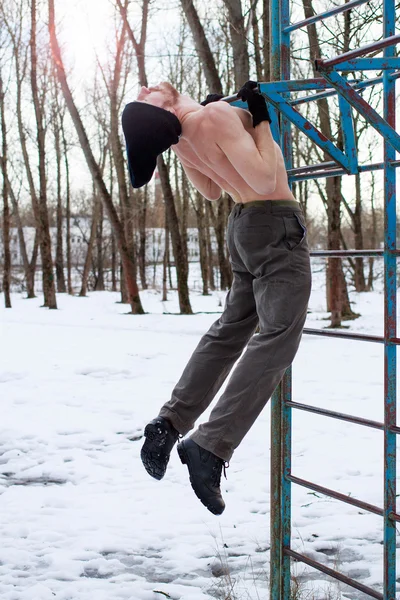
<point x="271" y="287"/>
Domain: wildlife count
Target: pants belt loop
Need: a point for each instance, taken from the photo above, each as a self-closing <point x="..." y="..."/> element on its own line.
<point x="268" y="206"/>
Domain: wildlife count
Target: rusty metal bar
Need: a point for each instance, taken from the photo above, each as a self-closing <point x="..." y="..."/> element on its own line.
<point x="348" y="253"/>
<point x="337" y="495"/>
<point x="276" y="554"/>
<point x="328" y="165"/>
<point x="390" y="315"/>
<point x="336" y="415"/>
<point x="380" y="45"/>
<point x="359" y="337"/>
<point x="335" y="574"/>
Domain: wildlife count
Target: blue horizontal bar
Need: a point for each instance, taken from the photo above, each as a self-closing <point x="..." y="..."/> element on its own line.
<point x="329" y="13"/>
<point x="368" y="64"/>
<point x="316" y="83"/>
<point x="356" y="85"/>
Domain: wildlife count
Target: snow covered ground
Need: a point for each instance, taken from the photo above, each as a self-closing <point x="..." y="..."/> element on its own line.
<point x="80" y="519"/>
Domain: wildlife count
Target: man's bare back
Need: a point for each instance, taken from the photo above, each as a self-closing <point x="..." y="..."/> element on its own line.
<point x="220" y="150"/>
<point x="200" y="153"/>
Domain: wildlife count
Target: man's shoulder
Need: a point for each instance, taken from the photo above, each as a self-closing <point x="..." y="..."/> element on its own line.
<point x="221" y="117"/>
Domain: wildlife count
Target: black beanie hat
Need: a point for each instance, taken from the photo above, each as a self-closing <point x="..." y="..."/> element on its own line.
<point x="149" y="131"/>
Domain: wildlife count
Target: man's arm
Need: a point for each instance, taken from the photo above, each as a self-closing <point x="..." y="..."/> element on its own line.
<point x="208" y="188"/>
<point x="254" y="158"/>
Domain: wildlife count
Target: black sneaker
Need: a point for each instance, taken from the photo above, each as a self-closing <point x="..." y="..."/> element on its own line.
<point x="205" y="474"/>
<point x="160" y="439"/>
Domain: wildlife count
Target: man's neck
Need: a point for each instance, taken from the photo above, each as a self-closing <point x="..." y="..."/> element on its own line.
<point x="185" y="107"/>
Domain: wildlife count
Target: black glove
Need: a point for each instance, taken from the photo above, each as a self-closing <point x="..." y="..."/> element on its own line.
<point x="255" y="102"/>
<point x="211" y="98"/>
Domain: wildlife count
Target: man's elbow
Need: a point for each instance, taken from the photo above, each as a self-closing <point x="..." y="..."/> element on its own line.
<point x="213" y="191"/>
<point x="214" y="194"/>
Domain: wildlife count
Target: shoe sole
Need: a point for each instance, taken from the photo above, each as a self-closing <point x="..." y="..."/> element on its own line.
<point x="151" y="446"/>
<point x="185" y="460"/>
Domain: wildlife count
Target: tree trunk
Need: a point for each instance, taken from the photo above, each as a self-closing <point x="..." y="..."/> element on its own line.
<point x="59" y="250"/>
<point x="88" y="258"/>
<point x="219" y="223"/>
<point x="374" y="237"/>
<point x="49" y="289"/>
<point x="113" y="263"/>
<point x="29" y="267"/>
<point x="6" y="208"/>
<point x="359" y="277"/>
<point x="181" y="264"/>
<point x="237" y="29"/>
<point x="257" y="46"/>
<point x="334" y="264"/>
<point x="129" y="266"/>
<point x="67" y="211"/>
<point x="266" y="43"/>
<point x="210" y="253"/>
<point x="335" y="278"/>
<point x="165" y="262"/>
<point x="99" y="287"/>
<point x="201" y="228"/>
<point x="142" y="217"/>
<point x="202" y="47"/>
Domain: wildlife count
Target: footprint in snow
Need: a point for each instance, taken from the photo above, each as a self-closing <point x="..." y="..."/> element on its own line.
<point x="6" y="376"/>
<point x="106" y="373"/>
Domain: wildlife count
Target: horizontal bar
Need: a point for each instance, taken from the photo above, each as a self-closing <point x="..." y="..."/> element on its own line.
<point x="336" y="415"/>
<point x="353" y="253"/>
<point x="357" y="85"/>
<point x="361" y="337"/>
<point x="368" y="64"/>
<point x="335" y="574"/>
<point x="325" y="15"/>
<point x="310" y="168"/>
<point x="294" y="85"/>
<point x="343" y="417"/>
<point x="332" y="494"/>
<point x="384" y="43"/>
<point x="339" y="172"/>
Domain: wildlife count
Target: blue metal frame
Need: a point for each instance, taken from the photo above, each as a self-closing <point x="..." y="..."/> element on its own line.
<point x="277" y="93"/>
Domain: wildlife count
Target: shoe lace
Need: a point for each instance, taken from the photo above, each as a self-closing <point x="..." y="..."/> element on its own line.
<point x="217" y="470"/>
<point x="226" y="466"/>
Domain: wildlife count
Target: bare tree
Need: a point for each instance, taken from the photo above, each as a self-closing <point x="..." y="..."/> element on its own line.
<point x="129" y="267"/>
<point x="65" y="148"/>
<point x="57" y="116"/>
<point x="173" y="224"/>
<point x="241" y="65"/>
<point x="336" y="283"/>
<point x="6" y="208"/>
<point x="40" y="209"/>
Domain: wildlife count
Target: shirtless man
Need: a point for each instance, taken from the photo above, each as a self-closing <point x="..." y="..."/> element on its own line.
<point x="226" y="148"/>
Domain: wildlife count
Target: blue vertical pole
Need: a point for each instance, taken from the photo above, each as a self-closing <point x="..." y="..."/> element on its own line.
<point x="286" y="411"/>
<point x="389" y="99"/>
<point x="276" y="425"/>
